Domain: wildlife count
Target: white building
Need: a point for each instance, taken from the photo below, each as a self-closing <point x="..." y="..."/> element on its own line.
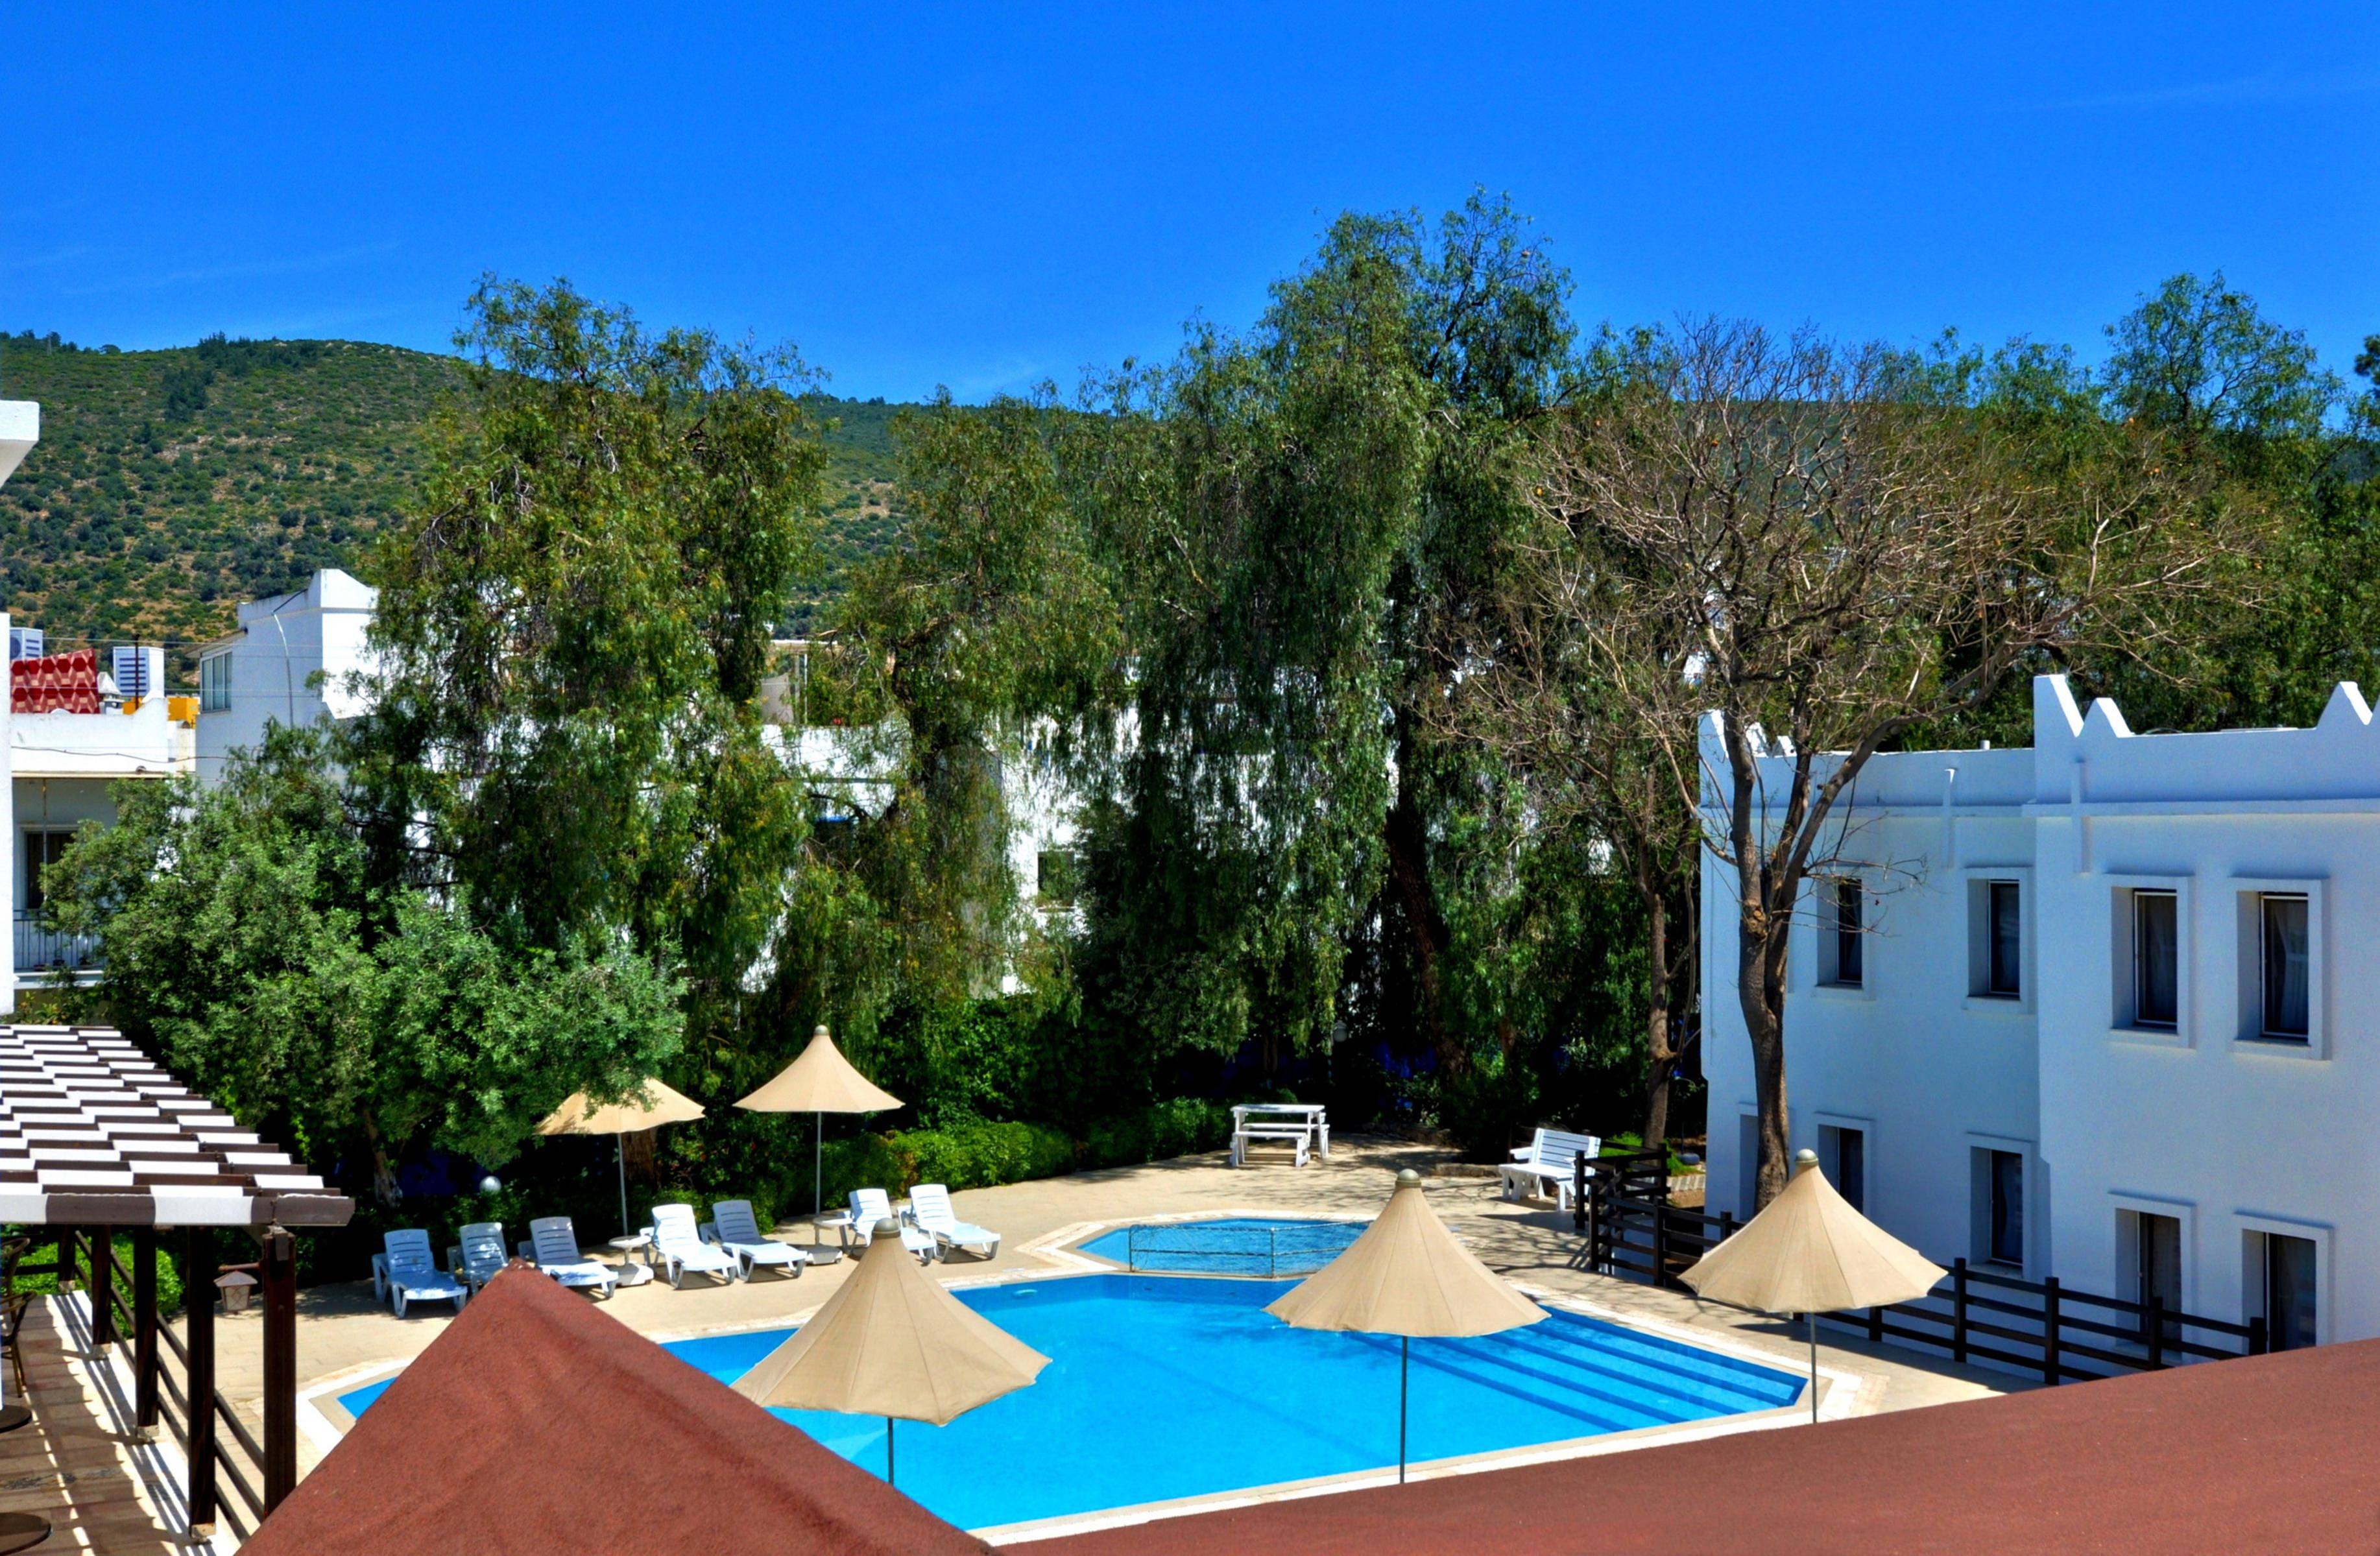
<point x="2107" y="1009"/>
<point x="63" y="766"/>
<point x="288" y="663"/>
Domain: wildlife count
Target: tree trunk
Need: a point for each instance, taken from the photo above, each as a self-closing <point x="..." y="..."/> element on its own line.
<point x="1658" y="1054"/>
<point x="1761" y="990"/>
<point x="1426" y="934"/>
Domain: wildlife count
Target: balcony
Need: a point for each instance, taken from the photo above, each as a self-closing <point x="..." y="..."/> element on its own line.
<point x="43" y="950"/>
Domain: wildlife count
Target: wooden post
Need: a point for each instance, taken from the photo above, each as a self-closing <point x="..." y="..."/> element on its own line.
<point x="102" y="1287"/>
<point x="1875" y="1326"/>
<point x="2259" y="1340"/>
<point x="279" y="1269"/>
<point x="1578" y="1192"/>
<point x="2049" y="1342"/>
<point x="1958" y="1310"/>
<point x="1660" y="1244"/>
<point x="2156" y="1332"/>
<point x="199" y="1307"/>
<point x="144" y="1329"/>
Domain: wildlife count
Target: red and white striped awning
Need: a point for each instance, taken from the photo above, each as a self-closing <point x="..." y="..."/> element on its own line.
<point x="93" y="1132"/>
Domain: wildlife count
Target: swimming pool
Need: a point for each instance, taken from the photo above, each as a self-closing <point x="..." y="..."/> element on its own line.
<point x="1165" y="1386"/>
<point x="1268" y="1246"/>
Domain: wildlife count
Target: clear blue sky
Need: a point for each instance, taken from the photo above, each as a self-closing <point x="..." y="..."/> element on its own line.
<point x="985" y="196"/>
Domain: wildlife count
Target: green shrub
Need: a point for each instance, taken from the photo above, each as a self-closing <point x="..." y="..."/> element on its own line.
<point x="980" y="1155"/>
<point x="169" y="1267"/>
<point x="1158" y="1132"/>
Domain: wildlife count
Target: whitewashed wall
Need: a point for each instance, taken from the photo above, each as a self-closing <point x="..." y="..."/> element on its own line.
<point x="2228" y="1133"/>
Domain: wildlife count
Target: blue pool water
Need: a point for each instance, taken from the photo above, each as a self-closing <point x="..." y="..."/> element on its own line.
<point x="1268" y="1245"/>
<point x="1161" y="1386"/>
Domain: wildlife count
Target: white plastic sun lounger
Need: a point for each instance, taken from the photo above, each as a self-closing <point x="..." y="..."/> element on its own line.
<point x="869" y="1206"/>
<point x="477" y="1258"/>
<point x="680" y="1249"/>
<point x="737" y="1232"/>
<point x="406" y="1272"/>
<point x="929" y="1207"/>
<point x="552" y="1247"/>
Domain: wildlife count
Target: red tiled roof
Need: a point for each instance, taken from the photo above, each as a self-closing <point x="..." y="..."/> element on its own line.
<point x="2266" y="1454"/>
<point x="537" y="1423"/>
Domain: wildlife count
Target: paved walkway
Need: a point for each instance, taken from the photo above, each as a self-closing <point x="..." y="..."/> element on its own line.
<point x="76" y="1464"/>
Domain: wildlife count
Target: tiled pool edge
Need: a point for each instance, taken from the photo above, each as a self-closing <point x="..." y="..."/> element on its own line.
<point x="1839" y="1396"/>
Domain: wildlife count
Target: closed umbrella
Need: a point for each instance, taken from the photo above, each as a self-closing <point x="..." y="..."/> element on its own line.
<point x="652" y="1105"/>
<point x="893" y="1342"/>
<point x="1406" y="1276"/>
<point x="821" y="1082"/>
<point x="1809" y="1253"/>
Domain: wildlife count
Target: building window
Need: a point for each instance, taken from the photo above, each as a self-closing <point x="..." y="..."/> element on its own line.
<point x="1842" y="961"/>
<point x="214" y="685"/>
<point x="42" y="849"/>
<point x="2004" y="1231"/>
<point x="2288" y="1294"/>
<point x="2157" y="959"/>
<point x="2287" y="968"/>
<point x="1842" y="1155"/>
<point x="2003" y="939"/>
<point x="2156" y="1267"/>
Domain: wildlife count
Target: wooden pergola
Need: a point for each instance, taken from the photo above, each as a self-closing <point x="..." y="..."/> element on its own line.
<point x="96" y="1138"/>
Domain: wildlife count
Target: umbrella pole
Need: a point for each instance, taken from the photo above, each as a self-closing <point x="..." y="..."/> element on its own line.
<point x="888" y="1450"/>
<point x="817" y="1164"/>
<point x="1810" y="1322"/>
<point x="1405" y="1367"/>
<point x="620" y="1149"/>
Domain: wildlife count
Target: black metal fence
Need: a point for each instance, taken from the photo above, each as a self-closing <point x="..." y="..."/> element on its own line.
<point x="2047" y="1328"/>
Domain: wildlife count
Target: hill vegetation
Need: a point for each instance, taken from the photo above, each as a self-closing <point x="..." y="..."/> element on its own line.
<point x="169" y="486"/>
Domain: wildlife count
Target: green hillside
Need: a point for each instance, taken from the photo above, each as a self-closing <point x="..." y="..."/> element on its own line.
<point x="170" y="485"/>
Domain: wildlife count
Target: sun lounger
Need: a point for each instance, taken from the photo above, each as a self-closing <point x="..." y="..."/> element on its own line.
<point x="552" y="1247"/>
<point x="869" y="1206"/>
<point x="406" y="1272"/>
<point x="1550" y="1159"/>
<point x="480" y="1255"/>
<point x="735" y="1230"/>
<point x="681" y="1248"/>
<point x="929" y="1207"/>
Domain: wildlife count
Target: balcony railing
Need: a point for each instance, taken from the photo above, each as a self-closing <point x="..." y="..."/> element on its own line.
<point x="42" y="949"/>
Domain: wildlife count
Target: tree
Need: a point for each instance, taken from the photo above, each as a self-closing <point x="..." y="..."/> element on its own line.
<point x="1803" y="540"/>
<point x="572" y="633"/>
<point x="244" y="944"/>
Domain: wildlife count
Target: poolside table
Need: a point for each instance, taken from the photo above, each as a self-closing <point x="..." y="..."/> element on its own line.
<point x="1310" y="1115"/>
<point x="841" y="1221"/>
<point x="631" y="1272"/>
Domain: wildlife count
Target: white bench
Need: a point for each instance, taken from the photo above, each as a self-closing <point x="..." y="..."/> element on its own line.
<point x="1550" y="1157"/>
<point x="1296" y="1136"/>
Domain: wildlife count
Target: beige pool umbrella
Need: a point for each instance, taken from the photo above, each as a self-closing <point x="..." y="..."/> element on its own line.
<point x="893" y="1342"/>
<point x="1406" y="1275"/>
<point x="821" y="1081"/>
<point x="1809" y="1253"/>
<point x="654" y="1105"/>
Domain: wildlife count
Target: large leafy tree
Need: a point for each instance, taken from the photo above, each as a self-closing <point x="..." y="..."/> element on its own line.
<point x="573" y="627"/>
<point x="245" y="942"/>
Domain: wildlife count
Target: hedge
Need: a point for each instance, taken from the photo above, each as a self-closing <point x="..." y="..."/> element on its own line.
<point x="169" y="1267"/>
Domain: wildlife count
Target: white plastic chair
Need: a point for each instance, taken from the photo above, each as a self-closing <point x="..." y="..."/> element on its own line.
<point x="552" y="1247"/>
<point x="479" y="1253"/>
<point x="737" y="1230"/>
<point x="929" y="1207"/>
<point x="404" y="1272"/>
<point x="869" y="1206"/>
<point x="679" y="1248"/>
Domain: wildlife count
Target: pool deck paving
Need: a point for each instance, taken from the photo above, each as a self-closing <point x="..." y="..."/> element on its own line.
<point x="76" y="1464"/>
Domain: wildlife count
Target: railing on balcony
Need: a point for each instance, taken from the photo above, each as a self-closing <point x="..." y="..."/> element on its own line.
<point x="43" y="949"/>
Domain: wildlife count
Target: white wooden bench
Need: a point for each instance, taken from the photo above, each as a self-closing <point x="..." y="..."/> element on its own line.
<point x="1550" y="1157"/>
<point x="1296" y="1136"/>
